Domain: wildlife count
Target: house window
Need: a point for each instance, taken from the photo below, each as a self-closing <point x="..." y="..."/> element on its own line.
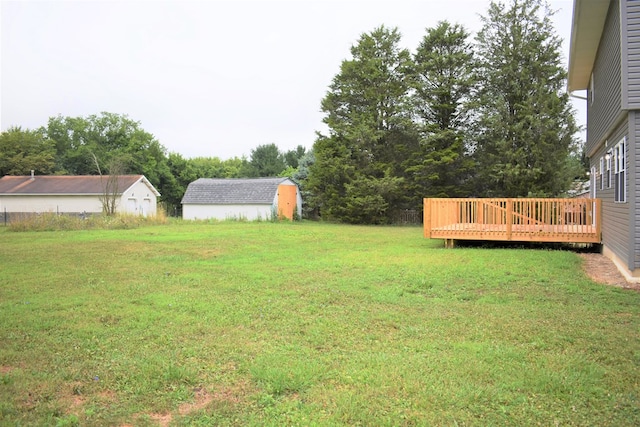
<point x="620" y="171"/>
<point x="601" y="173"/>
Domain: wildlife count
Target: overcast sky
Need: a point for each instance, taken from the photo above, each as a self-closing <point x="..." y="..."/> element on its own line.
<point x="206" y="78"/>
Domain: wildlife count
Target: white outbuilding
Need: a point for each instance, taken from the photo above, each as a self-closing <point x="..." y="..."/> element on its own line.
<point x="79" y="194"/>
<point x="241" y="199"/>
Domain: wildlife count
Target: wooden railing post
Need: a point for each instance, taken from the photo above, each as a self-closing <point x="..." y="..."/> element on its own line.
<point x="597" y="215"/>
<point x="427" y="218"/>
<point x="509" y="217"/>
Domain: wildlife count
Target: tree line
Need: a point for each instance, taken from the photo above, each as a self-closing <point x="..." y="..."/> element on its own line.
<point x="109" y="143"/>
<point x="459" y="117"/>
<point x="486" y="116"/>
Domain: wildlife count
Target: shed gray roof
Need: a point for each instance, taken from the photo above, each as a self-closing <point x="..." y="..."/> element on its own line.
<point x="209" y="191"/>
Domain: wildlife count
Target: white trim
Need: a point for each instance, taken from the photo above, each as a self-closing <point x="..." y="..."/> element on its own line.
<point x="608" y="171"/>
<point x="620" y="171"/>
<point x="601" y="173"/>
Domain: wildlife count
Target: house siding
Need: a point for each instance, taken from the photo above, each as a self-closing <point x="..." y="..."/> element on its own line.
<point x="615" y="216"/>
<point x="604" y="111"/>
<point x="633" y="157"/>
<point x="630" y="46"/>
<point x="630" y="51"/>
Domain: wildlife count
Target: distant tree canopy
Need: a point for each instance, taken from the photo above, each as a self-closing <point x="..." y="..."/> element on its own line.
<point x="23" y="151"/>
<point x="97" y="143"/>
<point x="112" y="143"/>
<point x="453" y="119"/>
<point x="266" y="160"/>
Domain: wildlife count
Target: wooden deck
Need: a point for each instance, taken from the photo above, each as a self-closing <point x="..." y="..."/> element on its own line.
<point x="520" y="220"/>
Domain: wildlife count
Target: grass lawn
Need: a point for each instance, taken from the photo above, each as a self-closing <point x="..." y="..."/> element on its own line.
<point x="307" y="324"/>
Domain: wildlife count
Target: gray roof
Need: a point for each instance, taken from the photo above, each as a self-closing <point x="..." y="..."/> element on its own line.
<point x="66" y="185"/>
<point x="209" y="191"/>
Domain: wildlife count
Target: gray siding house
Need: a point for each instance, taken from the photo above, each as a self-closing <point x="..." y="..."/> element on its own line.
<point x="249" y="199"/>
<point x="604" y="61"/>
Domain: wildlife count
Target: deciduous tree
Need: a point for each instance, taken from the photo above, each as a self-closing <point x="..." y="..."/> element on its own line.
<point x="109" y="139"/>
<point x="105" y="136"/>
<point x="23" y="151"/>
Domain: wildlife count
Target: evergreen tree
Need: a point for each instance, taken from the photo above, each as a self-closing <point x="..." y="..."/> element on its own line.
<point x="328" y="175"/>
<point x="444" y="78"/>
<point x="526" y="124"/>
<point x="368" y="115"/>
<point x="300" y="176"/>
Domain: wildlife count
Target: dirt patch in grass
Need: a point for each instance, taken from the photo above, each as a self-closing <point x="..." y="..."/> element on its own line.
<point x="235" y="394"/>
<point x="163" y="420"/>
<point x="602" y="270"/>
<point x="202" y="399"/>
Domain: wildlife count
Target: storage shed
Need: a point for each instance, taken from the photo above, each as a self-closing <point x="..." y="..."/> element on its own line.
<point x="250" y="199"/>
<point x="78" y="194"/>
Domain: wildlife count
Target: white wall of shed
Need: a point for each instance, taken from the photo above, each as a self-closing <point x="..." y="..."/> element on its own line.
<point x="138" y="200"/>
<point x="224" y="212"/>
<point x="55" y="204"/>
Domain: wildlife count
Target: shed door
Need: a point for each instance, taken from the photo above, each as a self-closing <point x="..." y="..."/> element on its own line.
<point x="132" y="205"/>
<point x="286" y="200"/>
<point x="146" y="207"/>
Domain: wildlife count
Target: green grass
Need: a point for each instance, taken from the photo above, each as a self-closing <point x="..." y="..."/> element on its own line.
<point x="276" y="324"/>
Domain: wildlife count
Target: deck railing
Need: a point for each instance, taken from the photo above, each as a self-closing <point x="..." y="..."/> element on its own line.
<point x="533" y="220"/>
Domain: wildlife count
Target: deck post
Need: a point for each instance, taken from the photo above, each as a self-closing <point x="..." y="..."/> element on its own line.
<point x="509" y="218"/>
<point x="427" y="218"/>
<point x="597" y="217"/>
